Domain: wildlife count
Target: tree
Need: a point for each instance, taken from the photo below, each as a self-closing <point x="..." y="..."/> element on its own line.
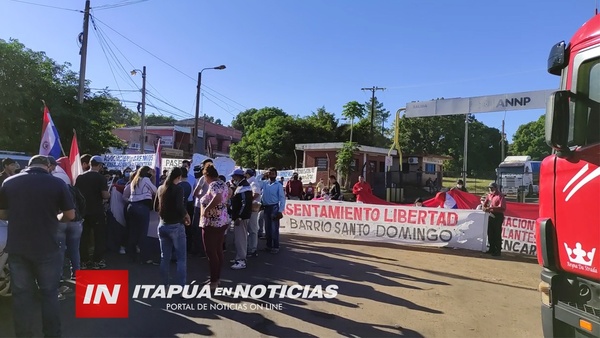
<point x="269" y="146"/>
<point x="381" y="114"/>
<point x="444" y="135"/>
<point x="353" y="111"/>
<point x="26" y="78"/>
<point x="530" y="140"/>
<point x="343" y="164"/>
<point x="251" y="119"/>
<point x="157" y="120"/>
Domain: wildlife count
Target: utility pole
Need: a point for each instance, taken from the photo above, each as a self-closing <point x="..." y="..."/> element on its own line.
<point x="466" y="145"/>
<point x="373" y="90"/>
<point x="83" y="50"/>
<point x="197" y="113"/>
<point x="143" y="143"/>
<point x="502" y="140"/>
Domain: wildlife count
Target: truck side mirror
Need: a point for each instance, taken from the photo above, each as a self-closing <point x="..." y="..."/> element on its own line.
<point x="557" y="120"/>
<point x="557" y="60"/>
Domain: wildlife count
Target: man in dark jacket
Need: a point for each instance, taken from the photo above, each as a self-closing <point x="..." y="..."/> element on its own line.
<point x="241" y="210"/>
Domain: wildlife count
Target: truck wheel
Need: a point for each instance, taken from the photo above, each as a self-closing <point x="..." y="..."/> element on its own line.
<point x="530" y="191"/>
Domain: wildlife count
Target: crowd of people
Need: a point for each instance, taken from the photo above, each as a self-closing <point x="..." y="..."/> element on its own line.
<point x="197" y="207"/>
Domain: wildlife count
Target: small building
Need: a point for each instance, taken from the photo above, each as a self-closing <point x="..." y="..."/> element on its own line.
<point x="418" y="168"/>
<point x="178" y="138"/>
<point x="368" y="161"/>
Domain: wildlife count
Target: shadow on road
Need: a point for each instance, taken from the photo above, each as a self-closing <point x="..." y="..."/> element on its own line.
<point x="299" y="262"/>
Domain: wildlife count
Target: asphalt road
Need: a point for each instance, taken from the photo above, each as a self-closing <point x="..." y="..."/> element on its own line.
<point x="384" y="291"/>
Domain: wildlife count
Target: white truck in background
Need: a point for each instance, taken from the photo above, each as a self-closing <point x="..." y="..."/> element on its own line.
<point x="518" y="173"/>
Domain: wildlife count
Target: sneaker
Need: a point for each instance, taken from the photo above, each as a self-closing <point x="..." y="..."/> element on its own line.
<point x="150" y="262"/>
<point x="253" y="254"/>
<point x="137" y="249"/>
<point x="275" y="250"/>
<point x="122" y="250"/>
<point x="233" y="261"/>
<point x="61" y="296"/>
<point x="102" y="264"/>
<point x="64" y="289"/>
<point x="239" y="265"/>
<point x="87" y="265"/>
<point x="93" y="266"/>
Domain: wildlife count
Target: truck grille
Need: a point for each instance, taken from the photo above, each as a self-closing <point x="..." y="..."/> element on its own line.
<point x="586" y="308"/>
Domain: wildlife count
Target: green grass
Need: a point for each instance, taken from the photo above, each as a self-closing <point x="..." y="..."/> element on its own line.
<point x="474" y="185"/>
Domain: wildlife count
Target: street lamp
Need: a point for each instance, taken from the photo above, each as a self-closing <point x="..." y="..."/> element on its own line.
<point x="143" y="136"/>
<point x="195" y="139"/>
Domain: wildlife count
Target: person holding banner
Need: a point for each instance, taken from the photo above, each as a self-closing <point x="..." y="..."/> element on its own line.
<point x="140" y="194"/>
<point x="495" y="203"/>
<point x="361" y="189"/>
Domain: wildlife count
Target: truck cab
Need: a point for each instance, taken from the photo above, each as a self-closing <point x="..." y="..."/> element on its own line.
<point x="568" y="227"/>
<point x="515" y="174"/>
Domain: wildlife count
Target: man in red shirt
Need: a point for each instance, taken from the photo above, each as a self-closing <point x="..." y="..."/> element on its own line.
<point x="361" y="189"/>
<point x="293" y="188"/>
<point x="495" y="204"/>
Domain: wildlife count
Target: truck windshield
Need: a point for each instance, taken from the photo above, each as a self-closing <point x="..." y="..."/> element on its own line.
<point x="585" y="118"/>
<point x="511" y="170"/>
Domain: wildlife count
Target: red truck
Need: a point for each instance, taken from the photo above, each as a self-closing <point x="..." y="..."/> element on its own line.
<point x="568" y="228"/>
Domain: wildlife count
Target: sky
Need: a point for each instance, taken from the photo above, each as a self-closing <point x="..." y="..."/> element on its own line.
<point x="302" y="55"/>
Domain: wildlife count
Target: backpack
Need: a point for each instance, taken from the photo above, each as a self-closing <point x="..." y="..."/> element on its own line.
<point x="79" y="202"/>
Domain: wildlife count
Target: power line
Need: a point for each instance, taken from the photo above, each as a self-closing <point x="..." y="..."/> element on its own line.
<point x="218" y="105"/>
<point x="216" y="98"/>
<point x="168" y="104"/>
<point x="105" y="55"/>
<point x="168" y="64"/>
<point x="119" y="4"/>
<point x="48" y="6"/>
<point x="114" y="90"/>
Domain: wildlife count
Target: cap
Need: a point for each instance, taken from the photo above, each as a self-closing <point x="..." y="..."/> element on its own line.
<point x="460" y="182"/>
<point x="97" y="159"/>
<point x="237" y="172"/>
<point x="52" y="160"/>
<point x="197" y="169"/>
<point x="39" y="159"/>
<point x="295" y="174"/>
<point x="493" y="185"/>
<point x="250" y="172"/>
<point x="8" y="161"/>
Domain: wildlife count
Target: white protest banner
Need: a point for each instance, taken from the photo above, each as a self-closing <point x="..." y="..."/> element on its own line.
<point x="197" y="159"/>
<point x="308" y="175"/>
<point x="224" y="166"/>
<point x="170" y="163"/>
<point x="120" y="162"/>
<point x="454" y="228"/>
<point x="518" y="235"/>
